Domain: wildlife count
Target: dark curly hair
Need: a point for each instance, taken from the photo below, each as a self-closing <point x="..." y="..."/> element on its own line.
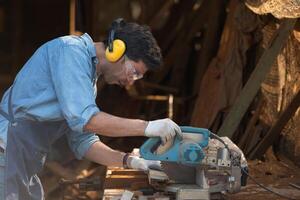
<point x="140" y="43"/>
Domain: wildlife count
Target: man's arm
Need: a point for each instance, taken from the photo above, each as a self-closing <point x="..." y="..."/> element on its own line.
<point x="102" y="154"/>
<point x="113" y="126"/>
<point x="109" y="125"/>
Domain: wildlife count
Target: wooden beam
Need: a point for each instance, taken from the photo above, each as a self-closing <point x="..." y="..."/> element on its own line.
<point x="72" y="17"/>
<point x="122" y="171"/>
<point x="252" y="86"/>
<point x="125" y="181"/>
<point x="275" y="131"/>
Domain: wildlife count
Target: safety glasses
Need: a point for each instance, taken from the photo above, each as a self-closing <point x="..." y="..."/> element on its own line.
<point x="131" y="71"/>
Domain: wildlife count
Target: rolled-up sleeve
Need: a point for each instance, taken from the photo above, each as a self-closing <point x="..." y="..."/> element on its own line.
<point x="80" y="143"/>
<point x="72" y="75"/>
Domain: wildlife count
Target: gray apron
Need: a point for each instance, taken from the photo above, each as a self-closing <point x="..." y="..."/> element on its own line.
<point x="28" y="143"/>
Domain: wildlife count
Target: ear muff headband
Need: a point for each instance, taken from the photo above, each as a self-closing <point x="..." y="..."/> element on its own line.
<point x="116" y="47"/>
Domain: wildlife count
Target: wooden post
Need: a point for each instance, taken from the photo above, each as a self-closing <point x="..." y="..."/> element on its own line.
<point x="170" y="106"/>
<point x="72" y="21"/>
<point x="252" y="86"/>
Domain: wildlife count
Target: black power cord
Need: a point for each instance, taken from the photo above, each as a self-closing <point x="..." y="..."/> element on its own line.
<point x="264" y="187"/>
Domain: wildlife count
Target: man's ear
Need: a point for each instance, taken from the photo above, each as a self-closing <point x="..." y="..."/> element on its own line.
<point x="122" y="60"/>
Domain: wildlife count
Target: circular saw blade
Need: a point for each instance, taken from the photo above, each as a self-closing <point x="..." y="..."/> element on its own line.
<point x="179" y="173"/>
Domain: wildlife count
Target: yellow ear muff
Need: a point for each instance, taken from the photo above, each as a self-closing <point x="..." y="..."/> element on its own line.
<point x="118" y="51"/>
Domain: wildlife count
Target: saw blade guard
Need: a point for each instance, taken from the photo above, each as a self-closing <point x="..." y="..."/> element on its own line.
<point x="187" y="149"/>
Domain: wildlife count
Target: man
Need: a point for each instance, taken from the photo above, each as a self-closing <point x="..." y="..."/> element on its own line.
<point x="54" y="94"/>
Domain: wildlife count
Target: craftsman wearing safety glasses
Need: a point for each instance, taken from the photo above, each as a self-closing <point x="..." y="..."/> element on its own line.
<point x="54" y="94"/>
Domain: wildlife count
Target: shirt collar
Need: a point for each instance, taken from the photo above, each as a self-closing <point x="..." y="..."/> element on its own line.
<point x="89" y="43"/>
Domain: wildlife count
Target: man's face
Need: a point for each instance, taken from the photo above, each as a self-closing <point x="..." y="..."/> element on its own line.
<point x="124" y="72"/>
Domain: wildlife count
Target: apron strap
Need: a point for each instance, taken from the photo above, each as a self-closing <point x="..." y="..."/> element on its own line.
<point x="9" y="116"/>
<point x="10" y="108"/>
<point x="5" y="115"/>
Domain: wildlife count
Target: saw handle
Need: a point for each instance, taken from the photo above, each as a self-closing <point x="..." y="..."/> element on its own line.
<point x="161" y="148"/>
<point x="171" y="153"/>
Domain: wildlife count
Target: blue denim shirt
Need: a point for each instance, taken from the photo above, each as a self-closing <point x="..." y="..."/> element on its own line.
<point x="58" y="83"/>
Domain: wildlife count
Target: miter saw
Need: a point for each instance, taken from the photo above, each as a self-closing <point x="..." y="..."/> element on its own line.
<point x="199" y="164"/>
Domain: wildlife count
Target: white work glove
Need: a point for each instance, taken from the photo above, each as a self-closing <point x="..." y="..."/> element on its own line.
<point x="166" y="129"/>
<point x="138" y="163"/>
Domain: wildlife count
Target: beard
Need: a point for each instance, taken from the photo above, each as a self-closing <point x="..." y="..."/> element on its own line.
<point x="115" y="75"/>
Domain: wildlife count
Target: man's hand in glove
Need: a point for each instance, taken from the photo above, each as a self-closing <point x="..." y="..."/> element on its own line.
<point x="138" y="163"/>
<point x="166" y="129"/>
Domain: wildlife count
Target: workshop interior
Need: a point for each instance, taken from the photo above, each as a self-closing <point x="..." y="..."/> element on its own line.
<point x="230" y="79"/>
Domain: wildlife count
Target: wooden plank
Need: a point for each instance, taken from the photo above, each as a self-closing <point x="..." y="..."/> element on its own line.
<point x="252" y="86"/>
<point x="125" y="181"/>
<point x="251" y="125"/>
<point x="72" y="17"/>
<point x="295" y="185"/>
<point x="207" y="105"/>
<point x="253" y="140"/>
<point x="126" y="172"/>
<point x="275" y="131"/>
